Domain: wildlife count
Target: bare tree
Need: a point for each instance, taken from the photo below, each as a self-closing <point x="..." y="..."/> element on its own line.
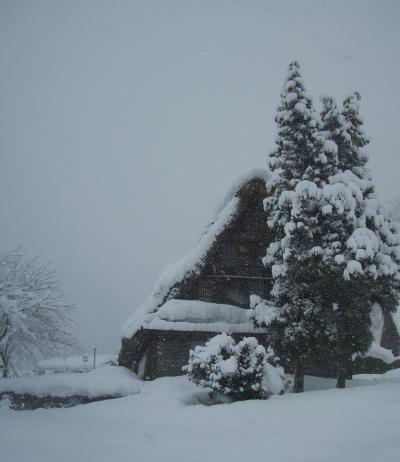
<point x="35" y="320"/>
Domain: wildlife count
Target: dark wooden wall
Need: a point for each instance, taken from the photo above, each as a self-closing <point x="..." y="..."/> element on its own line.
<point x="233" y="268"/>
<point x="167" y="351"/>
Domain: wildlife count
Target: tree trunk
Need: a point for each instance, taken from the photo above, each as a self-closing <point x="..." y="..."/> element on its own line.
<point x="5" y="365"/>
<point x="2" y="354"/>
<point x="298" y="385"/>
<point x="343" y="362"/>
<point x="341" y="374"/>
<point x="341" y="349"/>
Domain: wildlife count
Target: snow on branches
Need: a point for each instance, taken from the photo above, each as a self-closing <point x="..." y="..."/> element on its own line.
<point x="34" y="318"/>
<point x="242" y="371"/>
<point x="332" y="239"/>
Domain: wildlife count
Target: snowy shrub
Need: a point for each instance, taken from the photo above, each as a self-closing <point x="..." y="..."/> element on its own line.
<point x="275" y="380"/>
<point x="238" y="370"/>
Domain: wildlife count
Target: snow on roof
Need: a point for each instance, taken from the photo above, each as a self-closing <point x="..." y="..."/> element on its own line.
<point x="244" y="178"/>
<point x="194" y="260"/>
<point x="196" y="315"/>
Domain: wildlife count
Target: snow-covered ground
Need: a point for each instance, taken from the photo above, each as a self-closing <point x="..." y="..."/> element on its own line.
<point x="168" y="422"/>
<point x="104" y="381"/>
<point x="74" y="363"/>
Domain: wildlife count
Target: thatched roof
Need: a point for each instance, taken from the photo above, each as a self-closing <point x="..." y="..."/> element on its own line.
<point x="194" y="260"/>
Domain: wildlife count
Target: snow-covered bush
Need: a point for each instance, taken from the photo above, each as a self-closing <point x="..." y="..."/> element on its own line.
<point x="241" y="370"/>
<point x="275" y="380"/>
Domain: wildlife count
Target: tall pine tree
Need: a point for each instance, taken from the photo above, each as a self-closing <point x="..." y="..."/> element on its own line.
<point x="360" y="245"/>
<point x="386" y="267"/>
<point x="300" y="165"/>
<point x="348" y="288"/>
<point x="385" y="289"/>
<point x="334" y="252"/>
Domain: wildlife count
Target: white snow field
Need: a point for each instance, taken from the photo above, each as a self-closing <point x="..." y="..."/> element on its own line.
<point x="74" y="363"/>
<point x="168" y="422"/>
<point x="104" y="381"/>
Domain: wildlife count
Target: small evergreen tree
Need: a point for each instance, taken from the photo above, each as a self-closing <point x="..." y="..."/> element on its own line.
<point x="236" y="370"/>
<point x="247" y="380"/>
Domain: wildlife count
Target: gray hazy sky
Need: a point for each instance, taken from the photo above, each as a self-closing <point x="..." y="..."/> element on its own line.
<point x="122" y="124"/>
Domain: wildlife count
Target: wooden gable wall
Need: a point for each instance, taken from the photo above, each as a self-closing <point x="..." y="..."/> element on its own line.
<point x="233" y="268"/>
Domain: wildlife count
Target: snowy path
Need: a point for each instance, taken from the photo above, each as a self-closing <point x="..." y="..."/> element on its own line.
<point x="361" y="423"/>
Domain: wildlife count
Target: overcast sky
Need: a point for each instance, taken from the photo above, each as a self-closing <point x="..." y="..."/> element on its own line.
<point x="122" y="124"/>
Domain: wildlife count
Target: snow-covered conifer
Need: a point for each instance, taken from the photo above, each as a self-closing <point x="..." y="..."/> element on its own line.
<point x="333" y="128"/>
<point x="300" y="166"/>
<point x="296" y="154"/>
<point x="360" y="244"/>
<point x="237" y="370"/>
<point x="354" y="159"/>
<point x="334" y="250"/>
<point x="373" y="217"/>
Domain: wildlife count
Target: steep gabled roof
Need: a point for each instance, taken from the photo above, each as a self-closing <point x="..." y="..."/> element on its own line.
<point x="194" y="260"/>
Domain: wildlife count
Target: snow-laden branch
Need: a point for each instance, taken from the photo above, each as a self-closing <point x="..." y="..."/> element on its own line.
<point x="35" y="318"/>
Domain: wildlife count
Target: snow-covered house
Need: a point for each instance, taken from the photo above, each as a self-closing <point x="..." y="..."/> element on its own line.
<point x="208" y="292"/>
